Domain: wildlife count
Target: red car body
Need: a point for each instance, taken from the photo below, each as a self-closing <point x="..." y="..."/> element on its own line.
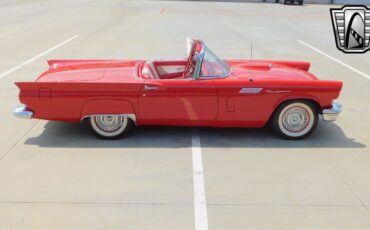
<point x="71" y="90"/>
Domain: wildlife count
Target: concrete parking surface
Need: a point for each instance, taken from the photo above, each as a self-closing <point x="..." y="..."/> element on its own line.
<point x="58" y="176"/>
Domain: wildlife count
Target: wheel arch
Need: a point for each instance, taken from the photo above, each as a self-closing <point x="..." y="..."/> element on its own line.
<point x="314" y="101"/>
<point x="108" y="106"/>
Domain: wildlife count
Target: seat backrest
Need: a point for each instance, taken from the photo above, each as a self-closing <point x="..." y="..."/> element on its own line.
<point x="149" y="71"/>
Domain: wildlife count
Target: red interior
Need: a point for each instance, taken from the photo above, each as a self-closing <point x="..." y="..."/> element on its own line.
<point x="156" y="69"/>
<point x="163" y="70"/>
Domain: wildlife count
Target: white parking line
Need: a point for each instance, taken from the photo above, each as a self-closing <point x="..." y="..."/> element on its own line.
<point x="200" y="204"/>
<point x="36" y="57"/>
<point x="336" y="60"/>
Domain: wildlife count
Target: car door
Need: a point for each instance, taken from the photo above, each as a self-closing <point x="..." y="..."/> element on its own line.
<point x="243" y="102"/>
<point x="178" y="101"/>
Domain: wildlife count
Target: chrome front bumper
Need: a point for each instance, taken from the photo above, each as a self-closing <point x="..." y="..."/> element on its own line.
<point x="22" y="112"/>
<point x="332" y="113"/>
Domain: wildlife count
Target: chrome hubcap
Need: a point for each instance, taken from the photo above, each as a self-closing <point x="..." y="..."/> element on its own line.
<point x="109" y="123"/>
<point x="296" y="119"/>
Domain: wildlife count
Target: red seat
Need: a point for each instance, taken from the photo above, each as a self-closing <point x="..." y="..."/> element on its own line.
<point x="148" y="71"/>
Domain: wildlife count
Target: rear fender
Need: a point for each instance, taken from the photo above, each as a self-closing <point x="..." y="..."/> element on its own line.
<point x="36" y="97"/>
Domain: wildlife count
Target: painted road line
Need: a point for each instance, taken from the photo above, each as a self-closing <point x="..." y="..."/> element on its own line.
<point x="36" y="57"/>
<point x="334" y="59"/>
<point x="200" y="204"/>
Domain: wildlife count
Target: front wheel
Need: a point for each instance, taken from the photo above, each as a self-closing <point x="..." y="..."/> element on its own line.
<point x="110" y="126"/>
<point x="295" y="120"/>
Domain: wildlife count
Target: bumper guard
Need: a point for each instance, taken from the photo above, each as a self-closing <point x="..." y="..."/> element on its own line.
<point x="22" y="112"/>
<point x="332" y="113"/>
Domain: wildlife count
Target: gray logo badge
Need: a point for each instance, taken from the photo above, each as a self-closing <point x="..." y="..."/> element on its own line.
<point x="351" y="26"/>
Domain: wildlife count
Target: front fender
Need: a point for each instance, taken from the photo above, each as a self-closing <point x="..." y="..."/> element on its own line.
<point x="296" y="97"/>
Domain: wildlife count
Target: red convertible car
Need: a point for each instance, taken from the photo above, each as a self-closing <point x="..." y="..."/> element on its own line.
<point x="114" y="96"/>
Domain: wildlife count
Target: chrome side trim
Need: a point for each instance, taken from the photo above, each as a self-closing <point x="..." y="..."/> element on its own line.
<point x="131" y="116"/>
<point x="151" y="87"/>
<point x="249" y="90"/>
<point x="332" y="113"/>
<point x="277" y="91"/>
<point x="22" y="112"/>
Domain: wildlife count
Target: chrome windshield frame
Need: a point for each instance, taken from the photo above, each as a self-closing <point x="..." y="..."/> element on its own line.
<point x="199" y="58"/>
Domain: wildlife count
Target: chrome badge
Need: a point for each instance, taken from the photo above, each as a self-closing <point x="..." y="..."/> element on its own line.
<point x="250" y="90"/>
<point x="351" y="26"/>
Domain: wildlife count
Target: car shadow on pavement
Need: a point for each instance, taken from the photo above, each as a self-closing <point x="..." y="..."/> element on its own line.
<point x="327" y="135"/>
<point x="74" y="135"/>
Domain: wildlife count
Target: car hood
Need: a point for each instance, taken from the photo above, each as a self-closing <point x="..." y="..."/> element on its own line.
<point x="88" y="71"/>
<point x="279" y="70"/>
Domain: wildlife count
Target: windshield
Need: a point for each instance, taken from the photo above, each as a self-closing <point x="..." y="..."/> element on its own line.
<point x="212" y="66"/>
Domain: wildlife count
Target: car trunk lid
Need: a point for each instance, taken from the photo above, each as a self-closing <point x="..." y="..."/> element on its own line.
<point x="87" y="70"/>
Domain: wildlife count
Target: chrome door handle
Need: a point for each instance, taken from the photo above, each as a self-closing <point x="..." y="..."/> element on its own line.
<point x="151" y="87"/>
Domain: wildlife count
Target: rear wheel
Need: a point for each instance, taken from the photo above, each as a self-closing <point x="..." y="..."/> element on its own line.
<point x="295" y="120"/>
<point x="110" y="126"/>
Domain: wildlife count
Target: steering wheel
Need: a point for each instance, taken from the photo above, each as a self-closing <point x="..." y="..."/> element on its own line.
<point x="190" y="65"/>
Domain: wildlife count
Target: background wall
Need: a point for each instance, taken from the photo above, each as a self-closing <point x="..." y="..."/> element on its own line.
<point x="362" y="2"/>
<point x="353" y="2"/>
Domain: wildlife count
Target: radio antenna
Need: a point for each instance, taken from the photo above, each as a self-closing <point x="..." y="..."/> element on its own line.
<point x="251" y="59"/>
<point x="251" y="52"/>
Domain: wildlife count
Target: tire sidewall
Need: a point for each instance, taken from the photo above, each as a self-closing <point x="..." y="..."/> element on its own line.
<point x="129" y="125"/>
<point x="276" y="119"/>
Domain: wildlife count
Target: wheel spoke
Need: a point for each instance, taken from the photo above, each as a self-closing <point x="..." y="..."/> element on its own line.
<point x="296" y="119"/>
<point x="109" y="123"/>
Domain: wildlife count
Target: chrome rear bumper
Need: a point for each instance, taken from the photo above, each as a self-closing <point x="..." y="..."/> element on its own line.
<point x="22" y="112"/>
<point x="332" y="113"/>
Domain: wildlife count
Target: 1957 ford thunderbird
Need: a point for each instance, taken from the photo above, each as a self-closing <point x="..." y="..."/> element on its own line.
<point x="114" y="96"/>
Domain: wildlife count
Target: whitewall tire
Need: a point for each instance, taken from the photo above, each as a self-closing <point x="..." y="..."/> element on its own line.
<point x="295" y="119"/>
<point x="110" y="126"/>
